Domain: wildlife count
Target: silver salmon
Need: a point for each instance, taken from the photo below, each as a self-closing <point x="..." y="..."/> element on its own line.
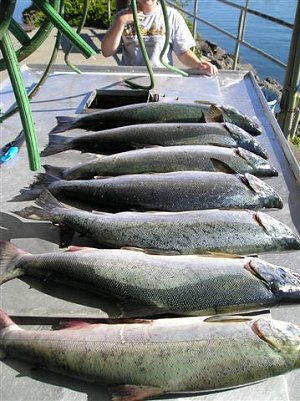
<point x="122" y="139"/>
<point x="156" y="357"/>
<point x="230" y="231"/>
<point x="176" y="191"/>
<point x="148" y="285"/>
<point x="168" y="159"/>
<point x="157" y="112"/>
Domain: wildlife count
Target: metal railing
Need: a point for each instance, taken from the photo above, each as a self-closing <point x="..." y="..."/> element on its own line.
<point x="289" y="114"/>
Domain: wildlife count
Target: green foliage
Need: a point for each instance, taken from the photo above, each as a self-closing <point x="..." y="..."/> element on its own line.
<point x="295" y="141"/>
<point x="97" y="15"/>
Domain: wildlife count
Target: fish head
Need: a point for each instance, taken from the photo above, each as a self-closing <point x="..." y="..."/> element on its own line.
<point x="283" y="282"/>
<point x="282" y="336"/>
<point x="245" y="140"/>
<point x="281" y="234"/>
<point x="260" y="166"/>
<point x="234" y="116"/>
<point x="268" y="195"/>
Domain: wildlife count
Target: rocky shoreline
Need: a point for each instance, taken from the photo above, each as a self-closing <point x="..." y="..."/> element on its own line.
<point x="225" y="61"/>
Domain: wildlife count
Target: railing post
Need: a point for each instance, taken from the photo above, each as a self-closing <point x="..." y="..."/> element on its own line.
<point x="289" y="96"/>
<point x="194" y="19"/>
<point x="241" y="32"/>
<point x="108" y="10"/>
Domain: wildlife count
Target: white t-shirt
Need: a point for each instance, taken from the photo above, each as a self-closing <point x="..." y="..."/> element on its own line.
<point x="152" y="28"/>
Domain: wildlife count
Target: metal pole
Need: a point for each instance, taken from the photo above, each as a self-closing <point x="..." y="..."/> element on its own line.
<point x="195" y="20"/>
<point x="241" y="32"/>
<point x="289" y="96"/>
<point x="108" y="10"/>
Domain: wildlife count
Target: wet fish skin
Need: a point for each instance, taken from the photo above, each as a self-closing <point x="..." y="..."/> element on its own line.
<point x="156" y="112"/>
<point x="238" y="232"/>
<point x="130" y="137"/>
<point x="176" y="191"/>
<point x="148" y="285"/>
<point x="168" y="159"/>
<point x="150" y="358"/>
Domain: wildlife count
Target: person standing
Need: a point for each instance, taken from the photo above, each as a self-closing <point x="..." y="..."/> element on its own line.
<point x="152" y="27"/>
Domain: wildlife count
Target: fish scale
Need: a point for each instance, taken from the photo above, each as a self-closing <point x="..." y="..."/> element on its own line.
<point x="231" y="231"/>
<point x="130" y="137"/>
<point x="162" y="356"/>
<point x="176" y="191"/>
<point x="145" y="285"/>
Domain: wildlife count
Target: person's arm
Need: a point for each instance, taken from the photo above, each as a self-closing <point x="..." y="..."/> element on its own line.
<point x="112" y="38"/>
<point x="190" y="59"/>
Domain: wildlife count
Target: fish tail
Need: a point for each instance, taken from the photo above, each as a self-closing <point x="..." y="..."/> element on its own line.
<point x="54" y="170"/>
<point x="48" y="202"/>
<point x="5" y="323"/>
<point x="41" y="181"/>
<point x="64" y="123"/>
<point x="9" y="257"/>
<point x="57" y="144"/>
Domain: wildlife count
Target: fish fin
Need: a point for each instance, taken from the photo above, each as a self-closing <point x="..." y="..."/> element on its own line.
<point x="134" y="393"/>
<point x="131" y="309"/>
<point x="222" y="255"/>
<point x="102" y="177"/>
<point x="74" y="248"/>
<point x="72" y="325"/>
<point x="100" y="212"/>
<point x="33" y="213"/>
<point x="35" y="189"/>
<point x="228" y="319"/>
<point x="57" y="144"/>
<point x="64" y="123"/>
<point x="9" y="256"/>
<point x="54" y="170"/>
<point x="150" y="251"/>
<point x="215" y="114"/>
<point x="205" y="102"/>
<point x="5" y="320"/>
<point x="48" y="202"/>
<point x="222" y="167"/>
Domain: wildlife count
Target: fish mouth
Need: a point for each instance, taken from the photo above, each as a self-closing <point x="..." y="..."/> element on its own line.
<point x="283" y="282"/>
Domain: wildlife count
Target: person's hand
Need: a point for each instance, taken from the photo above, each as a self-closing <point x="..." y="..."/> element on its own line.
<point x="126" y="17"/>
<point x="207" y="67"/>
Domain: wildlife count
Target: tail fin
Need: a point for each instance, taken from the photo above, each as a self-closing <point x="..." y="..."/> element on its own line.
<point x="35" y="189"/>
<point x="47" y="203"/>
<point x="57" y="144"/>
<point x="9" y="256"/>
<point x="64" y="123"/>
<point x="54" y="170"/>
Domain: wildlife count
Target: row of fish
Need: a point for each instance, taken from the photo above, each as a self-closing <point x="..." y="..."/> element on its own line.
<point x="159" y="273"/>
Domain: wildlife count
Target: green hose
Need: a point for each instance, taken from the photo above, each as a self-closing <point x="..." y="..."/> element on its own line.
<point x="143" y="50"/>
<point x="35" y="42"/>
<point x="43" y="78"/>
<point x="167" y="40"/>
<point x="16" y="79"/>
<point x="64" y="27"/>
<point x="7" y="8"/>
<point x="80" y="26"/>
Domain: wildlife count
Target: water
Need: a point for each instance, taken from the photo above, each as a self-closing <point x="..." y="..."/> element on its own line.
<point x="20" y="6"/>
<point x="268" y="36"/>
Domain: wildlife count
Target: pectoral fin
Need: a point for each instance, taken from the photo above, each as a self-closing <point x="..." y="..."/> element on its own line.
<point x="134" y="393"/>
<point x="221" y="167"/>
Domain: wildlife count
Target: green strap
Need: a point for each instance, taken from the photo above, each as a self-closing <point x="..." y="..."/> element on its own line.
<point x="16" y="79"/>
